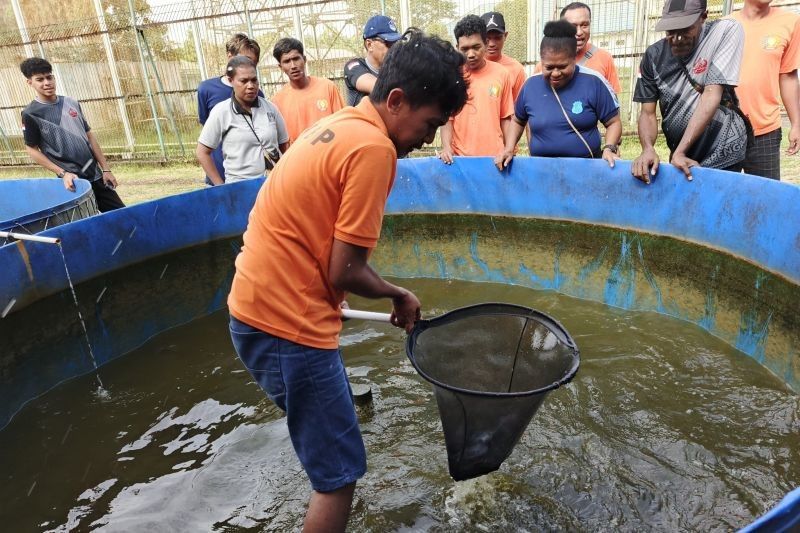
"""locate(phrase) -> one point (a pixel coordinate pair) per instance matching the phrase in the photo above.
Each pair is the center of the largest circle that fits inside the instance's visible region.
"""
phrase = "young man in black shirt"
(58, 138)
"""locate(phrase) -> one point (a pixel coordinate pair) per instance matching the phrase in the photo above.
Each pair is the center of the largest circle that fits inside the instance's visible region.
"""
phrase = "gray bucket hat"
(680, 14)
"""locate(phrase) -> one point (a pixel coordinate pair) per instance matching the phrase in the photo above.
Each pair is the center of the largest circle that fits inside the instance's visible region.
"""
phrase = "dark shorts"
(107, 198)
(764, 155)
(311, 386)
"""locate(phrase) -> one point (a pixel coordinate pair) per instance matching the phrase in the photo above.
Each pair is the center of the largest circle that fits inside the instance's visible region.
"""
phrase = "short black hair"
(35, 65)
(428, 70)
(559, 35)
(575, 5)
(236, 62)
(470, 25)
(286, 45)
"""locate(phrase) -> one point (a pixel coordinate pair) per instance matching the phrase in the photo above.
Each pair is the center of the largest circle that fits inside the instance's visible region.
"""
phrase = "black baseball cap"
(680, 14)
(494, 21)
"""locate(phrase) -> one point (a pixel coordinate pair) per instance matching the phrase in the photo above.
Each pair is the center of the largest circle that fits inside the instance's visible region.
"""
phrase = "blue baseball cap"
(382, 27)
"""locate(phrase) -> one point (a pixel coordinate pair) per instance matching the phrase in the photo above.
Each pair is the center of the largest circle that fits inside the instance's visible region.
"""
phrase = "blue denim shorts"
(311, 386)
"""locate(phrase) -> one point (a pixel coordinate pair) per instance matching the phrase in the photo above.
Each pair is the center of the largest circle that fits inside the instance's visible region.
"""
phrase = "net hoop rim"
(554, 325)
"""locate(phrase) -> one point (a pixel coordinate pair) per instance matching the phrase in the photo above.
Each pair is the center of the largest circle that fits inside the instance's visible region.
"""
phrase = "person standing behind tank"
(496, 36)
(249, 129)
(304, 99)
(563, 105)
(360, 74)
(214, 90)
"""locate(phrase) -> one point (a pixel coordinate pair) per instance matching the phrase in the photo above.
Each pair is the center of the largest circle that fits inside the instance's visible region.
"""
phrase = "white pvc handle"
(366, 315)
(25, 237)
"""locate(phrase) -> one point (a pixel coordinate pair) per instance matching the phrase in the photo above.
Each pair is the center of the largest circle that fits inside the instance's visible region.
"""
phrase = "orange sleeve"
(367, 179)
(791, 57)
(537, 68)
(507, 98)
(335, 98)
(519, 81)
(612, 77)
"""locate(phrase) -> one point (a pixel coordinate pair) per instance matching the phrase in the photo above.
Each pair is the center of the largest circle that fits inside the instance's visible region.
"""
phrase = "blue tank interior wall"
(26, 201)
(749, 218)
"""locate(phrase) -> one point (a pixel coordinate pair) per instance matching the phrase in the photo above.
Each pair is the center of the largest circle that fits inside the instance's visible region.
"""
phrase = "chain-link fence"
(135, 65)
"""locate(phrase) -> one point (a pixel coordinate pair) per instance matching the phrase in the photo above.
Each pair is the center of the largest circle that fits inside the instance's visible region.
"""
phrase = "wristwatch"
(61, 174)
(612, 147)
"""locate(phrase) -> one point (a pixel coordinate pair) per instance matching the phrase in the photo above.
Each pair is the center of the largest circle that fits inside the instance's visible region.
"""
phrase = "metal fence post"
(23, 28)
(7, 142)
(164, 97)
(198, 47)
(727, 6)
(112, 66)
(146, 81)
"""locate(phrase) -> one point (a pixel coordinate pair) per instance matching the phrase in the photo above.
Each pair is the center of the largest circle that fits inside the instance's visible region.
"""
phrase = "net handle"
(366, 315)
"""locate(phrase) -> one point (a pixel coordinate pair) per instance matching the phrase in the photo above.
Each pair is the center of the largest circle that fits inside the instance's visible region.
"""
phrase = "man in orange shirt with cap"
(769, 76)
(480, 128)
(496, 36)
(305, 99)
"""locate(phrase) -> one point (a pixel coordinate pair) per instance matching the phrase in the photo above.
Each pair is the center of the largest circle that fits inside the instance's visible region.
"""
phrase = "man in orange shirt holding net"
(482, 125)
(311, 230)
(769, 76)
(305, 99)
(496, 36)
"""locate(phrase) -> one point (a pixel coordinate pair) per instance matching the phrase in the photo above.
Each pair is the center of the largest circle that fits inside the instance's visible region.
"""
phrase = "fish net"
(491, 366)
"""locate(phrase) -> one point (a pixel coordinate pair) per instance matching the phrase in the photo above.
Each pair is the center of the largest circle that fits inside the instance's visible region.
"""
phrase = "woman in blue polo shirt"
(563, 105)
(249, 128)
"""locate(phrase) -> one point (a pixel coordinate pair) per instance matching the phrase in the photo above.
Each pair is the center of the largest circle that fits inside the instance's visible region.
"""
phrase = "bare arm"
(790, 95)
(366, 82)
(447, 142)
(646, 165)
(203, 154)
(708, 105)
(108, 177)
(613, 135)
(511, 134)
(350, 272)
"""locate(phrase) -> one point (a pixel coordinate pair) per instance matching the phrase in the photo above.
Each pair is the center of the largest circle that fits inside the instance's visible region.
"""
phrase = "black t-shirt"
(59, 130)
(353, 70)
(665, 79)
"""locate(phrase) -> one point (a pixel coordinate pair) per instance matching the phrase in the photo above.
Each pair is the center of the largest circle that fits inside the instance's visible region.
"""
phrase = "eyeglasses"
(387, 44)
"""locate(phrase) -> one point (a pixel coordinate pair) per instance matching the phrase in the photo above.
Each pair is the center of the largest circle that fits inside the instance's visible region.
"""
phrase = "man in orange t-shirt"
(311, 230)
(769, 76)
(496, 36)
(480, 128)
(580, 15)
(305, 99)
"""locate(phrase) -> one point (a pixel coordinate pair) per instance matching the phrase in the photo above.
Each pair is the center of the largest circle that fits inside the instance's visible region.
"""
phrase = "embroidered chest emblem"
(700, 66)
(322, 105)
(577, 107)
(494, 90)
(771, 42)
(72, 112)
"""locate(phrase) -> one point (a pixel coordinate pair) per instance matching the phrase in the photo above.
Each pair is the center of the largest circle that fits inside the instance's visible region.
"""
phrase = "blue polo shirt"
(586, 99)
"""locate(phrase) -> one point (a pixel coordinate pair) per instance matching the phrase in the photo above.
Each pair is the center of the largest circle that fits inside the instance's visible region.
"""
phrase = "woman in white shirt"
(250, 128)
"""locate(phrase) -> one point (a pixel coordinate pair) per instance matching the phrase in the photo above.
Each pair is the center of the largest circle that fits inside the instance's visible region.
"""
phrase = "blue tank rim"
(71, 199)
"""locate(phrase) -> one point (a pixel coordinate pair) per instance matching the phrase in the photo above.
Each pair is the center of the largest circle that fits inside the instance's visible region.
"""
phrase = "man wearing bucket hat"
(692, 74)
(360, 74)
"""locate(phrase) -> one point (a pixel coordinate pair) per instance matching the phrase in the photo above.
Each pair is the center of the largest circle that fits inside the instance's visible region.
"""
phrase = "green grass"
(138, 182)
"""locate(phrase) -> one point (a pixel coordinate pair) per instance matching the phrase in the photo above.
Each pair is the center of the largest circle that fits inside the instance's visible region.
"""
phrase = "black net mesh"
(491, 366)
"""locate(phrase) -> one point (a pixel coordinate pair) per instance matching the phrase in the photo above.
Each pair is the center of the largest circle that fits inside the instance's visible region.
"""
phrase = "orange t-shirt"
(600, 61)
(476, 129)
(333, 183)
(517, 72)
(771, 48)
(301, 108)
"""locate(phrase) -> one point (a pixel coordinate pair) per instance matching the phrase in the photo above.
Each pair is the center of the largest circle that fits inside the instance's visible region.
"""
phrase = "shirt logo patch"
(577, 107)
(771, 42)
(351, 65)
(700, 66)
(72, 112)
(322, 105)
(494, 90)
